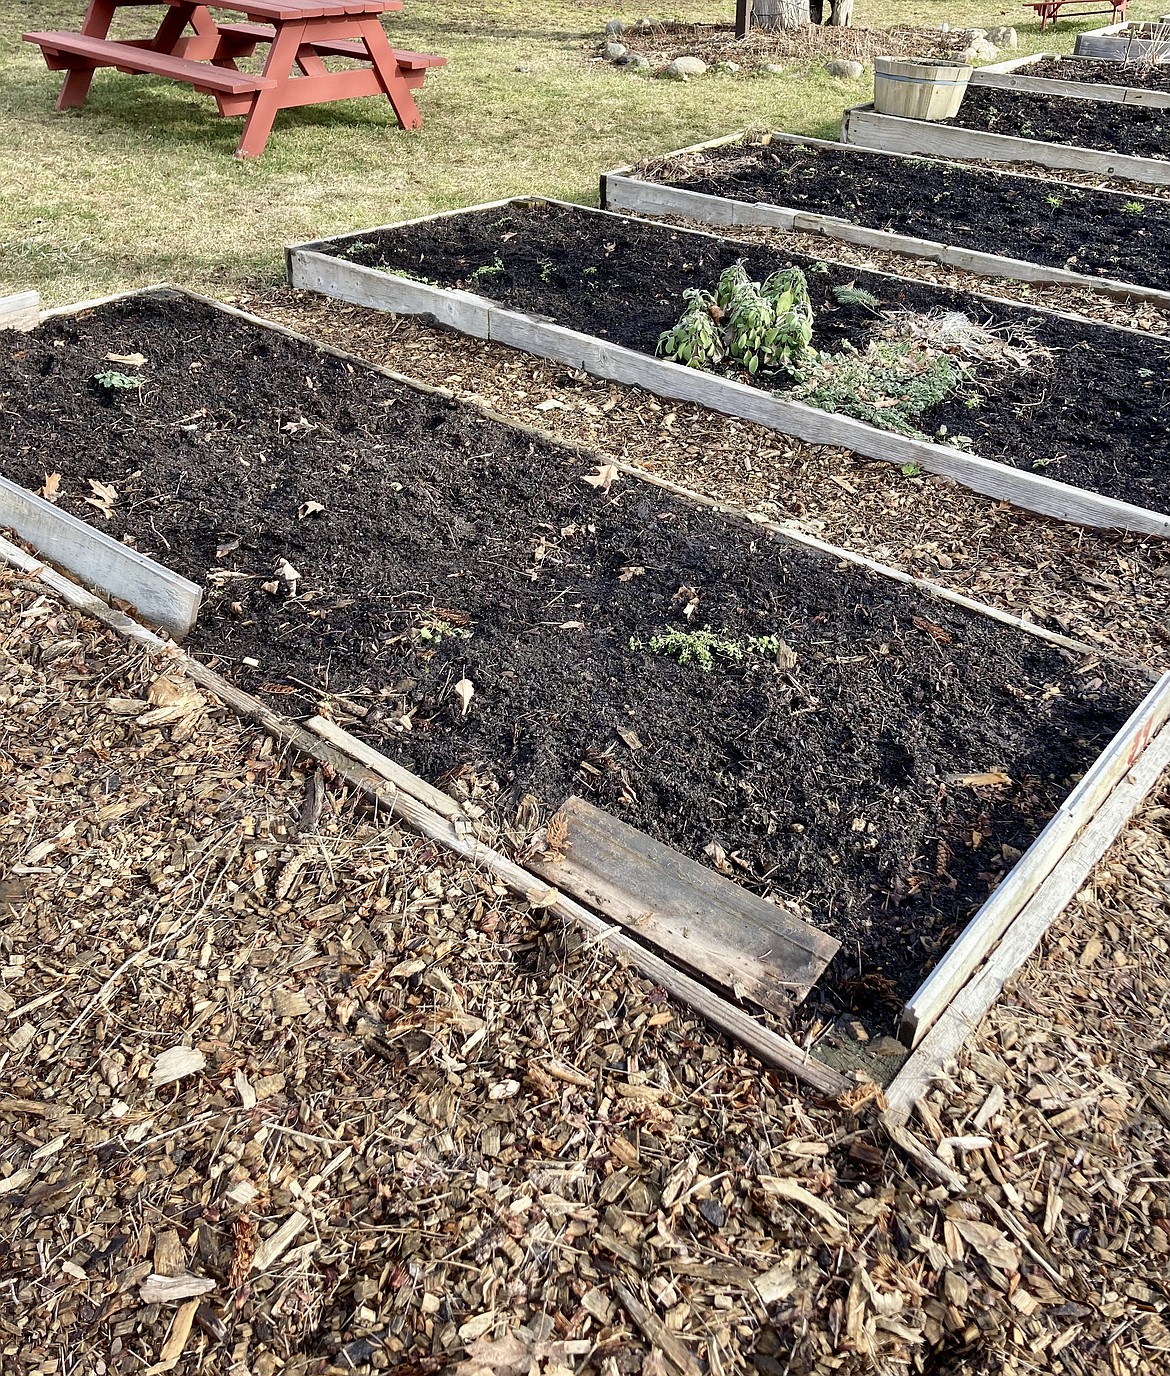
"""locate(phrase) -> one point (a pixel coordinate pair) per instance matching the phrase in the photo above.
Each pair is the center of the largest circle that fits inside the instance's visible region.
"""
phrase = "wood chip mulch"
(285, 1090)
(1109, 590)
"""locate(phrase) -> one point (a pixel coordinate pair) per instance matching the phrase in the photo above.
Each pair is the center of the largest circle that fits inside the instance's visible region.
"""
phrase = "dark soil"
(1148, 76)
(449, 546)
(1091, 414)
(1139, 131)
(991, 212)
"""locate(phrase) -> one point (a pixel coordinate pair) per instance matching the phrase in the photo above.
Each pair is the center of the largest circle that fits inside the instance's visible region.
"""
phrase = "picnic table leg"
(386, 65)
(282, 56)
(98, 18)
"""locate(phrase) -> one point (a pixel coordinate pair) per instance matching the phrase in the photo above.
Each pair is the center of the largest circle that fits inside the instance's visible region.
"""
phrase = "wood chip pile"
(283, 1090)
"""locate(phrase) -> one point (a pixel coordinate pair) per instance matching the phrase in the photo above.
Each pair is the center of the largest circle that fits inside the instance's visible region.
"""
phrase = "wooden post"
(743, 17)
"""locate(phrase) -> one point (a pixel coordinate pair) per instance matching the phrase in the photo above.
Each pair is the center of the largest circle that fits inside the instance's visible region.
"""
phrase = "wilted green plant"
(704, 647)
(856, 296)
(696, 341)
(891, 385)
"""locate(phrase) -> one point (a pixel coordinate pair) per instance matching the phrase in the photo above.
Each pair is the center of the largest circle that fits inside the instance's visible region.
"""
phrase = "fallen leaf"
(991, 1243)
(308, 509)
(175, 1063)
(552, 404)
(127, 360)
(104, 497)
(631, 571)
(290, 575)
(604, 478)
(991, 778)
(464, 691)
(50, 487)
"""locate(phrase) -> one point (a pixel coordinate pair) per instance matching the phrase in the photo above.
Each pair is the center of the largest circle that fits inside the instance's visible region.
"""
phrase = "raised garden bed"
(861, 124)
(1001, 224)
(1126, 42)
(881, 764)
(1140, 131)
(1079, 78)
(596, 290)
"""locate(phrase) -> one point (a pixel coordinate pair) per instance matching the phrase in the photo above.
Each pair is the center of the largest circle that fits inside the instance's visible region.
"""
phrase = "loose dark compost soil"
(433, 544)
(1140, 131)
(1147, 76)
(1017, 217)
(1091, 414)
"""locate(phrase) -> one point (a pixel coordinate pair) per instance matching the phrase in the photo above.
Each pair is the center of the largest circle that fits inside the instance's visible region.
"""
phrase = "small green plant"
(547, 269)
(973, 402)
(357, 248)
(856, 296)
(1134, 208)
(696, 341)
(111, 381)
(487, 271)
(703, 648)
(434, 630)
(1054, 201)
(911, 470)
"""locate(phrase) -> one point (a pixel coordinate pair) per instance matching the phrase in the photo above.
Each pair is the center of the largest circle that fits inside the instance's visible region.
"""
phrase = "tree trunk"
(780, 14)
(842, 13)
(816, 11)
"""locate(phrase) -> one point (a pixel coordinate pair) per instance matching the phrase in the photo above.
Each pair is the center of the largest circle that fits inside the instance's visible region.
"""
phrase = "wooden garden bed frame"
(862, 125)
(1125, 42)
(1001, 936)
(311, 269)
(623, 189)
(1013, 75)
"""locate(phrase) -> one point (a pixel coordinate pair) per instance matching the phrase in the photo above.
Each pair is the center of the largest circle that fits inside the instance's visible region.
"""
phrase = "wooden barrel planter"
(918, 90)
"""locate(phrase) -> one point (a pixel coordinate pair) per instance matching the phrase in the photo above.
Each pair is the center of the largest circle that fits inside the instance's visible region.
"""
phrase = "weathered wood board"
(1015, 76)
(309, 269)
(20, 312)
(1039, 861)
(160, 596)
(623, 190)
(863, 126)
(751, 948)
(1130, 42)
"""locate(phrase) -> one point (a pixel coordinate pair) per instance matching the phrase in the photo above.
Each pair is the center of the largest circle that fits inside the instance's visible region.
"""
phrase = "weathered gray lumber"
(751, 948)
(767, 1045)
(20, 312)
(434, 798)
(1129, 42)
(863, 126)
(484, 319)
(651, 198)
(1044, 855)
(957, 1024)
(161, 596)
(1014, 76)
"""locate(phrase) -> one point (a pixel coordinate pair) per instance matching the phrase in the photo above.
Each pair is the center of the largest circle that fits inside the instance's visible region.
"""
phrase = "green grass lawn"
(141, 186)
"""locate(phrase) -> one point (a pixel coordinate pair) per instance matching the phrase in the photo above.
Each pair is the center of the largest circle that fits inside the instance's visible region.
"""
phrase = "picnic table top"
(284, 10)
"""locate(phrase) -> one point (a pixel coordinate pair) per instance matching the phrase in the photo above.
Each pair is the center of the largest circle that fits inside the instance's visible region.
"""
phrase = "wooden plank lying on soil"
(1042, 857)
(20, 312)
(623, 190)
(751, 948)
(1014, 76)
(484, 319)
(433, 797)
(161, 597)
(862, 125)
(957, 1024)
(771, 1048)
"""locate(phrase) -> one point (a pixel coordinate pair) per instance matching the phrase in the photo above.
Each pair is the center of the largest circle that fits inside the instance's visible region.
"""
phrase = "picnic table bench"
(192, 46)
(1049, 10)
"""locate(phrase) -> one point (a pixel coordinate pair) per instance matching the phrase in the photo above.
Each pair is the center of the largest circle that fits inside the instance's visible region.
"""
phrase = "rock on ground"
(616, 52)
(683, 67)
(845, 68)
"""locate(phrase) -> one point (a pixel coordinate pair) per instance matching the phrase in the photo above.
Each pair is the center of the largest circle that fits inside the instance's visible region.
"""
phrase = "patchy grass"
(140, 185)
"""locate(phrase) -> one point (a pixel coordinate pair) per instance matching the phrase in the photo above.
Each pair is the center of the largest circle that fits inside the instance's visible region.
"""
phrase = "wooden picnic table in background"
(192, 46)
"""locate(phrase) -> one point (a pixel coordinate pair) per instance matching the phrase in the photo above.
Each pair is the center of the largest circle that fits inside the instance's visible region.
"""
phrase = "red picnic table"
(191, 45)
(1049, 10)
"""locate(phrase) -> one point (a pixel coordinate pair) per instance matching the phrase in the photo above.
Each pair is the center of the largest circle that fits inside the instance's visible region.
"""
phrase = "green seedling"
(1134, 208)
(487, 271)
(111, 381)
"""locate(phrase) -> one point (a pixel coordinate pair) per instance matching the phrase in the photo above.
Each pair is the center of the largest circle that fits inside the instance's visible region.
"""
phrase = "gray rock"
(1004, 38)
(683, 67)
(644, 25)
(972, 34)
(616, 52)
(981, 51)
(614, 29)
(729, 67)
(638, 62)
(773, 69)
(844, 68)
